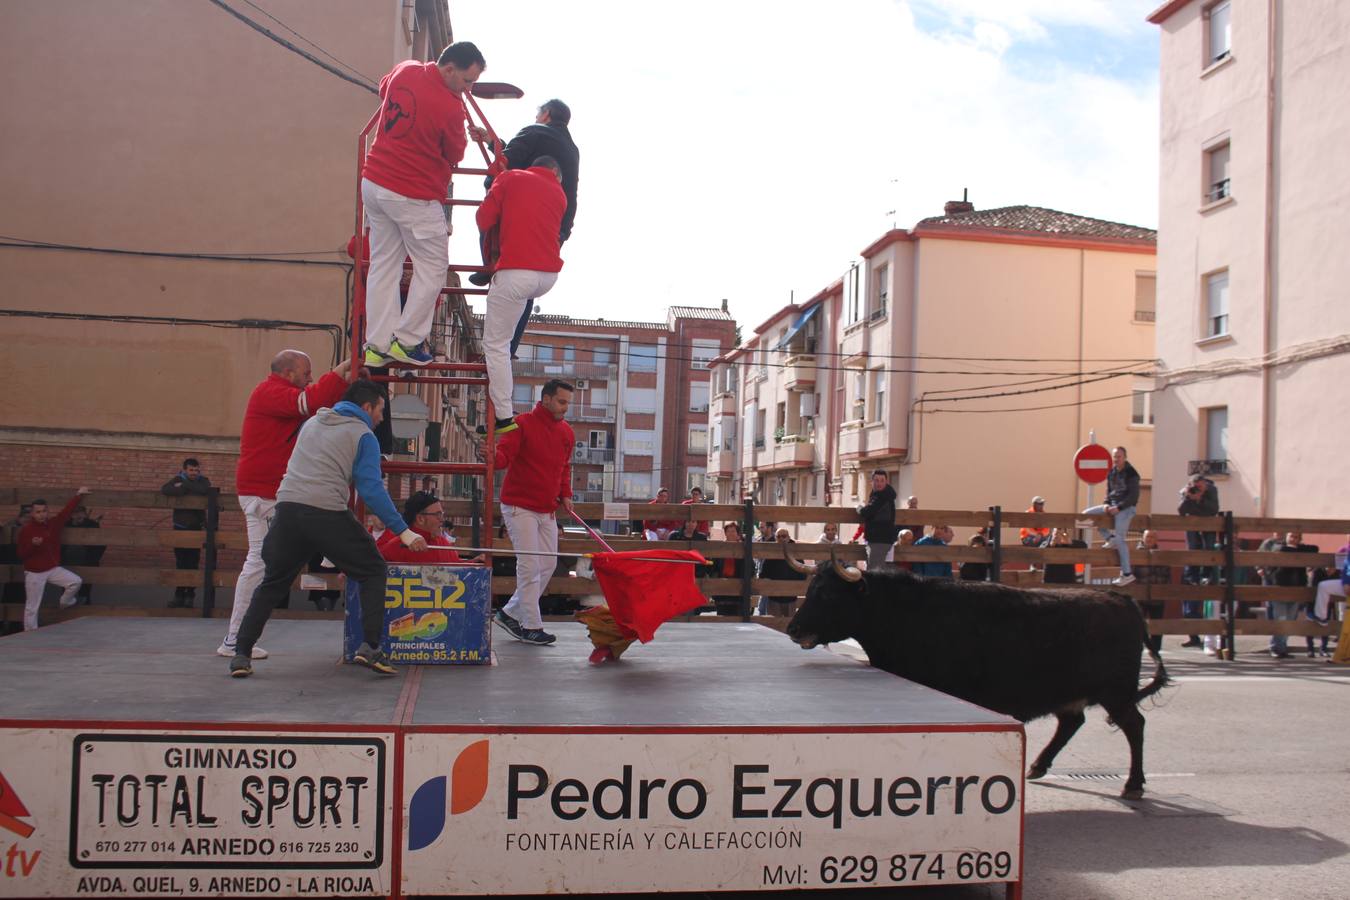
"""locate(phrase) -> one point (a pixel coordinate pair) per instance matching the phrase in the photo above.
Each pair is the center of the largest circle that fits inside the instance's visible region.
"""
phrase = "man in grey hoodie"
(334, 449)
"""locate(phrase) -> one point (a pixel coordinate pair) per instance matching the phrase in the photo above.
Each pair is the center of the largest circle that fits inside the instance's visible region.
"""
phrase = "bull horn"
(797, 565)
(848, 573)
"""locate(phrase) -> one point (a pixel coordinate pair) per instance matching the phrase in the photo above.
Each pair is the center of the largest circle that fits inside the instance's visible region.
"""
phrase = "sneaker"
(241, 667)
(601, 655)
(376, 359)
(1210, 651)
(1279, 654)
(1123, 580)
(508, 624)
(1312, 617)
(227, 651)
(374, 659)
(414, 357)
(480, 279)
(67, 604)
(536, 636)
(502, 426)
(1191, 642)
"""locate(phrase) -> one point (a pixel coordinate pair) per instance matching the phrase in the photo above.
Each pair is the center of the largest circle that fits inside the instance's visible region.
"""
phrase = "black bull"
(1022, 652)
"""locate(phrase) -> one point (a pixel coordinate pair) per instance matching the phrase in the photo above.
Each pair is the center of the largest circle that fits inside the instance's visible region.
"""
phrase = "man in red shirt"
(276, 409)
(420, 137)
(426, 516)
(696, 497)
(537, 458)
(660, 529)
(39, 548)
(527, 205)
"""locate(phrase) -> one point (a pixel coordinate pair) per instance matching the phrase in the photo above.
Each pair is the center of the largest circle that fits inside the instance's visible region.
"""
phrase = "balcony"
(1207, 467)
(579, 413)
(588, 497)
(1144, 315)
(592, 456)
(721, 462)
(799, 373)
(724, 404)
(793, 451)
(557, 368)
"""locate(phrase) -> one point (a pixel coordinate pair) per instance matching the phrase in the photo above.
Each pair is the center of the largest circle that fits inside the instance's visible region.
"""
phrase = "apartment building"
(640, 410)
(968, 357)
(1253, 326)
(185, 203)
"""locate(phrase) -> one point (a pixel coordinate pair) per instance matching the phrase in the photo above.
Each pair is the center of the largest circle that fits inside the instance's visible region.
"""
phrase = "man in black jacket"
(1200, 497)
(1122, 496)
(548, 136)
(189, 482)
(878, 520)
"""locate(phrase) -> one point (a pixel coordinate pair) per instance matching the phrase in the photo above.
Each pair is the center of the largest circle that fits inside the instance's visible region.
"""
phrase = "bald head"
(294, 366)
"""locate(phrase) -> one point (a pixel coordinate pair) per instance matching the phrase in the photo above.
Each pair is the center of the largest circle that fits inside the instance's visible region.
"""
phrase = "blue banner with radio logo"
(433, 615)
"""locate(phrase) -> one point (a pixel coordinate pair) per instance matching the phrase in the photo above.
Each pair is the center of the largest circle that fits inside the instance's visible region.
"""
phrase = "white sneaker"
(1123, 580)
(227, 651)
(67, 604)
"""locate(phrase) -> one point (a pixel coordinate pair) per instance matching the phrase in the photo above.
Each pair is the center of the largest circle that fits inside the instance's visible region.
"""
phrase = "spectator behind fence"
(1060, 572)
(659, 529)
(1152, 574)
(904, 539)
(39, 546)
(941, 537)
(695, 497)
(731, 567)
(975, 571)
(189, 482)
(1287, 577)
(1122, 496)
(1200, 497)
(878, 519)
(90, 555)
(1333, 586)
(776, 568)
(830, 534)
(1031, 536)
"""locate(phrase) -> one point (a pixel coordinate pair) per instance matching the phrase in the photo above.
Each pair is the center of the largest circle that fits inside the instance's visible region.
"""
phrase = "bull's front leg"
(1070, 720)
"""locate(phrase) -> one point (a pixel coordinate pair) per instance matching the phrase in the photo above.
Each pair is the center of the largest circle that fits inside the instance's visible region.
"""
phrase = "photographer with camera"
(1200, 497)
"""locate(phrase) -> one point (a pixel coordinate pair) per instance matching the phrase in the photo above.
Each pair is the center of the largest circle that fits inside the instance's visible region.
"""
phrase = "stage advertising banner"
(580, 813)
(194, 814)
(434, 615)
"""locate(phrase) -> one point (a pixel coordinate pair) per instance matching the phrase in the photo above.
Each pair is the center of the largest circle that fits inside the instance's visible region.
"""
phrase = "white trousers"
(530, 531)
(35, 582)
(511, 289)
(401, 226)
(1332, 587)
(258, 519)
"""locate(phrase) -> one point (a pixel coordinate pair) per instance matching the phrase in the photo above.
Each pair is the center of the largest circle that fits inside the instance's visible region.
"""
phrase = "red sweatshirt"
(47, 555)
(276, 410)
(420, 135)
(537, 458)
(528, 205)
(391, 547)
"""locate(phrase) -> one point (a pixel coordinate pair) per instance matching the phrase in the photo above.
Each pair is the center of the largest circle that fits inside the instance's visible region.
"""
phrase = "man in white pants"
(276, 409)
(39, 547)
(527, 207)
(537, 457)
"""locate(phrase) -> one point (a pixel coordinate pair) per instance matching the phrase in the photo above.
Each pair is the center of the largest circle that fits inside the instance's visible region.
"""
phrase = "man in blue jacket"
(335, 449)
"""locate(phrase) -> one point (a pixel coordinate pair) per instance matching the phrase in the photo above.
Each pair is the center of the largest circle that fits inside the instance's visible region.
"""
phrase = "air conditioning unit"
(579, 455)
(581, 384)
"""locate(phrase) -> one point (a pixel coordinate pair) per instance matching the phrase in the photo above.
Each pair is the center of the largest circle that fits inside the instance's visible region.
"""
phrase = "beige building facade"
(1253, 324)
(968, 357)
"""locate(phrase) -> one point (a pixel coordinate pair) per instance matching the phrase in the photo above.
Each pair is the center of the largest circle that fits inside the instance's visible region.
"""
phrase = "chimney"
(956, 207)
(724, 304)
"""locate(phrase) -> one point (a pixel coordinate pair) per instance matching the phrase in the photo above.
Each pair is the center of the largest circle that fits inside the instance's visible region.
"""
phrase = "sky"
(749, 150)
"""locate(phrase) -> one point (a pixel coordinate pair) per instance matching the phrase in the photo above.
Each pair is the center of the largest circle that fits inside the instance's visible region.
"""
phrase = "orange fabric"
(604, 631)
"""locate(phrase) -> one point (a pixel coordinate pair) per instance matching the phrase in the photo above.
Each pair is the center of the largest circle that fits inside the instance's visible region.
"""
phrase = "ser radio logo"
(460, 792)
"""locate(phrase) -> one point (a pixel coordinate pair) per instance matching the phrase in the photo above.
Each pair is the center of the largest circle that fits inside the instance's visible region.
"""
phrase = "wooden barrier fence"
(1000, 556)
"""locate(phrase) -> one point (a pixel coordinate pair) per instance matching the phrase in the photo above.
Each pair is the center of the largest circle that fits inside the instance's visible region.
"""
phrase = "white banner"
(156, 813)
(579, 813)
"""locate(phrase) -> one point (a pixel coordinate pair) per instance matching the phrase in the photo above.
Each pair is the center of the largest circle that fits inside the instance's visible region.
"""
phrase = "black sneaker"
(241, 667)
(480, 279)
(535, 636)
(374, 659)
(508, 624)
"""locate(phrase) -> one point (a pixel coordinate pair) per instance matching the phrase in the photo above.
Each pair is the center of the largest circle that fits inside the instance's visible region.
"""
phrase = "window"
(879, 395)
(1219, 33)
(852, 295)
(1216, 432)
(642, 357)
(599, 397)
(702, 353)
(698, 396)
(792, 491)
(780, 421)
(1216, 301)
(881, 290)
(635, 485)
(698, 478)
(543, 353)
(1145, 296)
(1216, 172)
(602, 355)
(640, 400)
(522, 395)
(763, 356)
(525, 351)
(595, 481)
(640, 441)
(569, 354)
(698, 439)
(726, 380)
(599, 440)
(761, 417)
(728, 434)
(1141, 412)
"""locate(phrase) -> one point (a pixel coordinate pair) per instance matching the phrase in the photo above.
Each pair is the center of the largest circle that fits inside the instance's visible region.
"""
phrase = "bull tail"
(1160, 677)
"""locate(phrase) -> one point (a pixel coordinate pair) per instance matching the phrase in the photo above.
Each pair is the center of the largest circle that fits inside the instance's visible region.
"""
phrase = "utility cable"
(262, 29)
(313, 44)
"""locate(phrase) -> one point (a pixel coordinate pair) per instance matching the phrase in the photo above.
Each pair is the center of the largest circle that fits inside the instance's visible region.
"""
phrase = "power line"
(262, 29)
(276, 257)
(313, 44)
(1038, 408)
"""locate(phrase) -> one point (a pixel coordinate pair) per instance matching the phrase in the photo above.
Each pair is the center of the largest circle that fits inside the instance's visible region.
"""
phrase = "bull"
(1026, 653)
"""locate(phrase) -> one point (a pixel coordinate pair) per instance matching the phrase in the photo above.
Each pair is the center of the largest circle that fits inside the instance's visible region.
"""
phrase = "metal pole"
(996, 545)
(747, 557)
(209, 564)
(475, 521)
(1230, 586)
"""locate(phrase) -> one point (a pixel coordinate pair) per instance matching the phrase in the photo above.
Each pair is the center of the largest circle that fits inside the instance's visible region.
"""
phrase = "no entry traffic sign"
(1092, 463)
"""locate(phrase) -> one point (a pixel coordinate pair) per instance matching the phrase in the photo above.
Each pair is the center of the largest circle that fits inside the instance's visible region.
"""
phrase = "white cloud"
(749, 150)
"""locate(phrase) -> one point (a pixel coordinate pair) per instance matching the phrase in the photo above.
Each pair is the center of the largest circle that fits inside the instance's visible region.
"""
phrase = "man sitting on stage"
(334, 449)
